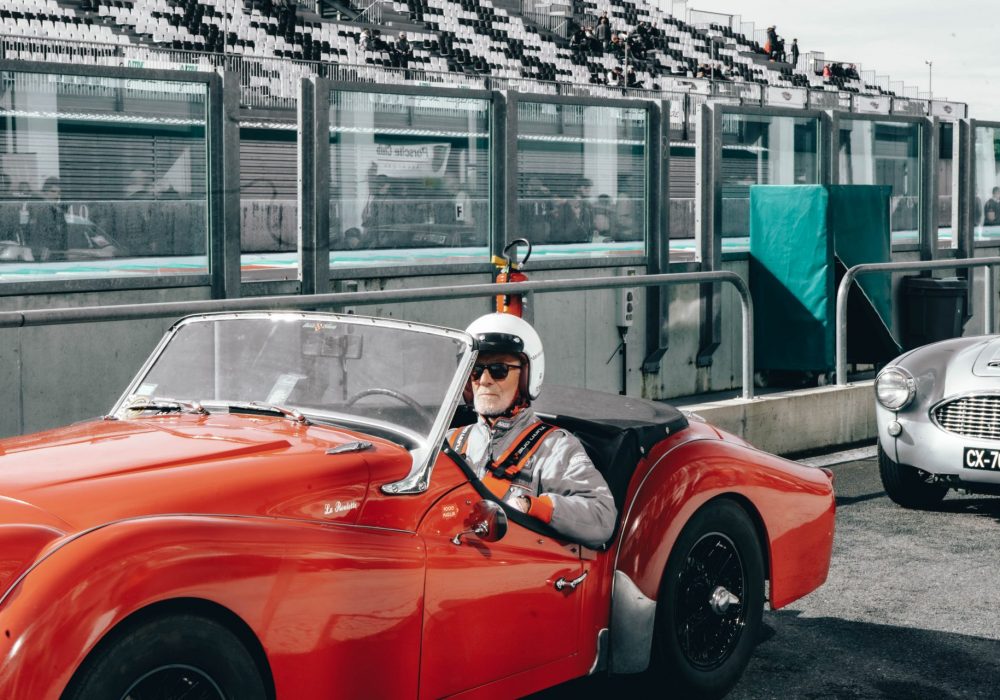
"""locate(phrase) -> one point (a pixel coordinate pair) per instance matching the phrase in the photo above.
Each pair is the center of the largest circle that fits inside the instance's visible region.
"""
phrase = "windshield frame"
(427, 447)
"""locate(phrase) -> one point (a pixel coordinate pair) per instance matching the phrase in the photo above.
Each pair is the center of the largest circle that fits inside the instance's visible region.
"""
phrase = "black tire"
(701, 649)
(180, 656)
(908, 486)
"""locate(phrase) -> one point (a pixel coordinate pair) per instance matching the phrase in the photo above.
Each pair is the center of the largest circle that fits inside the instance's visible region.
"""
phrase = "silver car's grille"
(971, 416)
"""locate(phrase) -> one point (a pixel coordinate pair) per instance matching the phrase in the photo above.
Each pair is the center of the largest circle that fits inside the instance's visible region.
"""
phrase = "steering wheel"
(392, 393)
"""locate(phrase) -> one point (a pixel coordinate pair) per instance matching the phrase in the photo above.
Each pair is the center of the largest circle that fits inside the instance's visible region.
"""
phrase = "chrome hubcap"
(721, 599)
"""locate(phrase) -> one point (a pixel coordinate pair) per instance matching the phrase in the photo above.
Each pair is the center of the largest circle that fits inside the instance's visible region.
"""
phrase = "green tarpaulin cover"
(802, 240)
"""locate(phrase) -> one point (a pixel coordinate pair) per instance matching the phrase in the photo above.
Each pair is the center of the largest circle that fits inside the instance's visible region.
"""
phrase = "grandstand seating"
(468, 40)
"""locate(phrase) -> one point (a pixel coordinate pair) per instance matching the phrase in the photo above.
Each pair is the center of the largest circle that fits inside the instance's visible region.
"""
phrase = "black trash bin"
(934, 308)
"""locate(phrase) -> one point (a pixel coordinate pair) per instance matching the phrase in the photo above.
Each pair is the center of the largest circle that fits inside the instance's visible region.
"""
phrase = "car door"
(492, 609)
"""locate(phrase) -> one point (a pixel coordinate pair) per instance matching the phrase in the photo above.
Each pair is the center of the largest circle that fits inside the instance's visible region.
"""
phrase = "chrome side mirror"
(490, 523)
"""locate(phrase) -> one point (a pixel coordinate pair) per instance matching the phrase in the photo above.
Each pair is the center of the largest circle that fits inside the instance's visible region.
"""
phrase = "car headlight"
(894, 388)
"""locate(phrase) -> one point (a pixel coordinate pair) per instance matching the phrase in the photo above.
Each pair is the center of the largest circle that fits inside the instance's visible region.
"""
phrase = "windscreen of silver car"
(894, 388)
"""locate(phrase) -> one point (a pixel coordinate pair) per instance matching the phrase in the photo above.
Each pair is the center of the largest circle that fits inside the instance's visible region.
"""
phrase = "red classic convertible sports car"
(271, 510)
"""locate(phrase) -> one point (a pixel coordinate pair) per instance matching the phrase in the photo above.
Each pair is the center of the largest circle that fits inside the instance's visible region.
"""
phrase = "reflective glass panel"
(101, 177)
(945, 165)
(409, 179)
(269, 205)
(581, 178)
(763, 150)
(885, 153)
(987, 179)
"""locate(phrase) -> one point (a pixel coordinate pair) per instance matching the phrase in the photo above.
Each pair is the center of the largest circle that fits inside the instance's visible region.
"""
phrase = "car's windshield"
(349, 369)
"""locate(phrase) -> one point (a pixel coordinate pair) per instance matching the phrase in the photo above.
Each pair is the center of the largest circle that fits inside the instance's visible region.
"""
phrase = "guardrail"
(865, 268)
(126, 312)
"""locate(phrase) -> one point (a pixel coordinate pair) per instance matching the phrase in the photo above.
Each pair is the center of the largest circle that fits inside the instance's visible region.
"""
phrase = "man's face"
(491, 396)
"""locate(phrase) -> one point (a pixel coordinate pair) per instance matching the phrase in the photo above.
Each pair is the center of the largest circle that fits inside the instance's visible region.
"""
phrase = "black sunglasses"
(498, 370)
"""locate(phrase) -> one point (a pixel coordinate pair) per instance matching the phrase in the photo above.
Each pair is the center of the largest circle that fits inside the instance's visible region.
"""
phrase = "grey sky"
(894, 38)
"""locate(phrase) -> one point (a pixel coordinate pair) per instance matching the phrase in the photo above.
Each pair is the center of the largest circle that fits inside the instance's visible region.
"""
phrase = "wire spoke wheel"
(710, 604)
(710, 597)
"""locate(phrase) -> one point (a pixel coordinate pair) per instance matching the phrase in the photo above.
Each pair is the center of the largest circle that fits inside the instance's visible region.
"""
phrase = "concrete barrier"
(800, 421)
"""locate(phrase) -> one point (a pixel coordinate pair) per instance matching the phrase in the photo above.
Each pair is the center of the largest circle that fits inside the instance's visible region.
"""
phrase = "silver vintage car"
(938, 414)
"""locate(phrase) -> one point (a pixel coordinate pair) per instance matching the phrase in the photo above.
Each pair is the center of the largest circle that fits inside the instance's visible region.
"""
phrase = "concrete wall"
(799, 421)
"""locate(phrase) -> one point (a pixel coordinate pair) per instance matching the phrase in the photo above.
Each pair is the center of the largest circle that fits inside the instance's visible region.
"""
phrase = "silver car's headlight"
(894, 388)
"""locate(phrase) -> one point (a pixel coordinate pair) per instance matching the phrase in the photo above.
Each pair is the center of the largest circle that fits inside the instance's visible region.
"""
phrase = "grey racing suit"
(559, 472)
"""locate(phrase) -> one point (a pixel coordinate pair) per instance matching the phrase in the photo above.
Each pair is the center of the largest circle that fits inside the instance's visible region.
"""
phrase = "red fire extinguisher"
(509, 269)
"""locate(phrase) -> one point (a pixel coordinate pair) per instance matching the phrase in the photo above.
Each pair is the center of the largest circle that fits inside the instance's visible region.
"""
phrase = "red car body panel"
(328, 611)
(348, 590)
(794, 504)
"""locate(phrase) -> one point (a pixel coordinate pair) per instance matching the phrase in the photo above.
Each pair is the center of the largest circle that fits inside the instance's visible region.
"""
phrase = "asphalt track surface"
(911, 609)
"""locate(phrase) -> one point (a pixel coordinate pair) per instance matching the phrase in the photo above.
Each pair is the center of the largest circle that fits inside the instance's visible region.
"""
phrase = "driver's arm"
(573, 496)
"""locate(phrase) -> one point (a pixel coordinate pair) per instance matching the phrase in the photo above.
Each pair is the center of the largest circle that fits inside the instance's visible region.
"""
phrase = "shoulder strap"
(513, 460)
(459, 439)
(503, 470)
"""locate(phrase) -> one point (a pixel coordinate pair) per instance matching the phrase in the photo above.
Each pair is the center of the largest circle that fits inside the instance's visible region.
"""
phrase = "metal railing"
(372, 14)
(126, 312)
(865, 268)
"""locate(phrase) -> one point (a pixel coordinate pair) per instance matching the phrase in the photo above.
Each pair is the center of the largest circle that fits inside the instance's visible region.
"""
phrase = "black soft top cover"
(617, 431)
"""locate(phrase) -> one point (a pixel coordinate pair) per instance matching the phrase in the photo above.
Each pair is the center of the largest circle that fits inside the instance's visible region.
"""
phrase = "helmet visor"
(500, 343)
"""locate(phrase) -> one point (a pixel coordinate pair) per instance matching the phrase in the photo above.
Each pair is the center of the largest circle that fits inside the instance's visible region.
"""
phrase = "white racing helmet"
(512, 334)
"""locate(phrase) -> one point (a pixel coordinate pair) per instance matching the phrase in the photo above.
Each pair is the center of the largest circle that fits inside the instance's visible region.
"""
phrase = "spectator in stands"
(401, 52)
(827, 72)
(991, 210)
(795, 52)
(579, 42)
(851, 72)
(632, 80)
(772, 41)
(616, 47)
(635, 46)
(603, 32)
(594, 44)
(286, 17)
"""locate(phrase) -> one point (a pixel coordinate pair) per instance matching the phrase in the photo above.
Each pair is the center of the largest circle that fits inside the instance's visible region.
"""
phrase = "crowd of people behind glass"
(40, 224)
(401, 213)
(576, 216)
